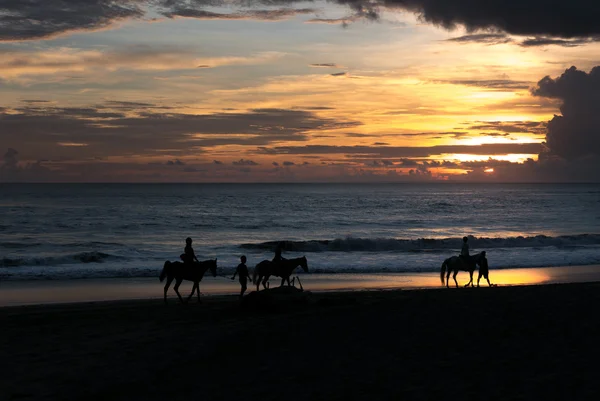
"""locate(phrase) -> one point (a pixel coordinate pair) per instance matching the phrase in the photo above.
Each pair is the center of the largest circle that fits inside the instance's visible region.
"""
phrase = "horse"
(457, 263)
(282, 269)
(182, 271)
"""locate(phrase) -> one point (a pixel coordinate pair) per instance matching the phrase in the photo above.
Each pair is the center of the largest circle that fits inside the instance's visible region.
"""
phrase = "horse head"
(213, 267)
(304, 264)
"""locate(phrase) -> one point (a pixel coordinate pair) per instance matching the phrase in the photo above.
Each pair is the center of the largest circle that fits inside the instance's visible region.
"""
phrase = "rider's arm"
(234, 273)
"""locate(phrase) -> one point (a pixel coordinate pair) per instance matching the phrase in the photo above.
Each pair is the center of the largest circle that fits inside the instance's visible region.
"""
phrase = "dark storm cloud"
(39, 130)
(40, 19)
(406, 151)
(575, 133)
(576, 18)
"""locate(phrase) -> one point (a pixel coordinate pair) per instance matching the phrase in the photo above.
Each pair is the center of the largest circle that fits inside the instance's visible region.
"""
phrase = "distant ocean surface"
(72, 231)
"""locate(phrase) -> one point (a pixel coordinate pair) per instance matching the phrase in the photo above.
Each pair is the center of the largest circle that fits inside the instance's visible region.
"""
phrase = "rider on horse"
(188, 256)
(464, 252)
(278, 258)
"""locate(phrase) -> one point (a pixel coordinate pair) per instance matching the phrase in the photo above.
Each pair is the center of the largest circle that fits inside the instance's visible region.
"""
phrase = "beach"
(500, 343)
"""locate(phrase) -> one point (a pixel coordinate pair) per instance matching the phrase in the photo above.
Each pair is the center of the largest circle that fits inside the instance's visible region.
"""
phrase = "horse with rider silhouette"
(191, 271)
(282, 268)
(455, 264)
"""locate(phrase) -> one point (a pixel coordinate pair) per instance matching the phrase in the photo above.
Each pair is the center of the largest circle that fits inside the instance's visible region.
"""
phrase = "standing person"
(244, 275)
(188, 256)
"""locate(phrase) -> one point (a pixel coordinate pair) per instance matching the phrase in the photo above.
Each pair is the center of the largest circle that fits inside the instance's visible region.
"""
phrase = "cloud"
(12, 170)
(10, 159)
(259, 15)
(533, 127)
(496, 84)
(43, 19)
(546, 41)
(147, 131)
(15, 63)
(575, 133)
(217, 162)
(325, 65)
(243, 162)
(339, 74)
(483, 38)
(286, 163)
(175, 162)
(576, 18)
(407, 151)
(344, 22)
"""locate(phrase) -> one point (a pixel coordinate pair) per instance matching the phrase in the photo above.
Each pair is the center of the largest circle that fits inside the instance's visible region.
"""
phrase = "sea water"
(72, 231)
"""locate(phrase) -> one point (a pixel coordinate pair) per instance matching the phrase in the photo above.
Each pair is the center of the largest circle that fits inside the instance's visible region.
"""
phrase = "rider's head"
(243, 259)
(188, 240)
(465, 239)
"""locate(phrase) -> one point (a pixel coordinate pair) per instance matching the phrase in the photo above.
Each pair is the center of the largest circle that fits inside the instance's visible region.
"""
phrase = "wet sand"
(501, 343)
(14, 293)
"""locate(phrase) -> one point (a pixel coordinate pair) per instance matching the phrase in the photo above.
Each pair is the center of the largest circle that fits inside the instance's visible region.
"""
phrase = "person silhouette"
(278, 258)
(464, 252)
(188, 256)
(244, 275)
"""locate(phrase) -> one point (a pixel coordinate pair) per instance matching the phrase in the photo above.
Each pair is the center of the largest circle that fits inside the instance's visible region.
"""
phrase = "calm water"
(114, 230)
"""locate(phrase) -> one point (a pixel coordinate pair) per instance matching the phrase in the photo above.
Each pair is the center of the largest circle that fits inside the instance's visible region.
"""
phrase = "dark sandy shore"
(503, 343)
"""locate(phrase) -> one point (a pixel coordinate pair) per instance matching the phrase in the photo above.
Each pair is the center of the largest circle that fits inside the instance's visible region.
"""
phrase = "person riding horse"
(278, 258)
(464, 252)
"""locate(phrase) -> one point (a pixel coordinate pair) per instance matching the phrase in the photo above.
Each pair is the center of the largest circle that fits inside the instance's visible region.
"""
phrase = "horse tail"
(163, 273)
(443, 272)
(255, 274)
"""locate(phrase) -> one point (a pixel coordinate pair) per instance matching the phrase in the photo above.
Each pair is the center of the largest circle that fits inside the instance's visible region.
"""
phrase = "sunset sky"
(296, 91)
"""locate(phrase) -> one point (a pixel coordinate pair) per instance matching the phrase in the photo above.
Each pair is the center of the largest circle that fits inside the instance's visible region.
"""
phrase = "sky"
(299, 91)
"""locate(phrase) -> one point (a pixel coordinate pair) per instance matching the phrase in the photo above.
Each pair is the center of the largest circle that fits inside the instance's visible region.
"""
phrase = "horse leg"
(470, 279)
(198, 288)
(454, 277)
(258, 283)
(192, 293)
(264, 282)
(448, 278)
(282, 281)
(288, 280)
(167, 285)
(176, 288)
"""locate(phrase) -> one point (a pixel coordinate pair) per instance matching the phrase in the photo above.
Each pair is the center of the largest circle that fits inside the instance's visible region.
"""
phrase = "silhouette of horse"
(282, 269)
(182, 271)
(456, 263)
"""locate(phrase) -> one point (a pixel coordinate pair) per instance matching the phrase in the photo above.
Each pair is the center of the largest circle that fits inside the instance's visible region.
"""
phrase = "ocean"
(77, 231)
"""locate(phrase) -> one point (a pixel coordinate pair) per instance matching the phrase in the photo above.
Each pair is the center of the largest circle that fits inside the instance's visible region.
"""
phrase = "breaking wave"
(82, 257)
(425, 244)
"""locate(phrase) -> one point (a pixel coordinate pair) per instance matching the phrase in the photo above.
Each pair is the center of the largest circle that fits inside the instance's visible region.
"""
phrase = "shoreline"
(19, 293)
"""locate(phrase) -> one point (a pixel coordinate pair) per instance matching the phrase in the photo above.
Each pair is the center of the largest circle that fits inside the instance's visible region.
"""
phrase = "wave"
(350, 244)
(81, 257)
